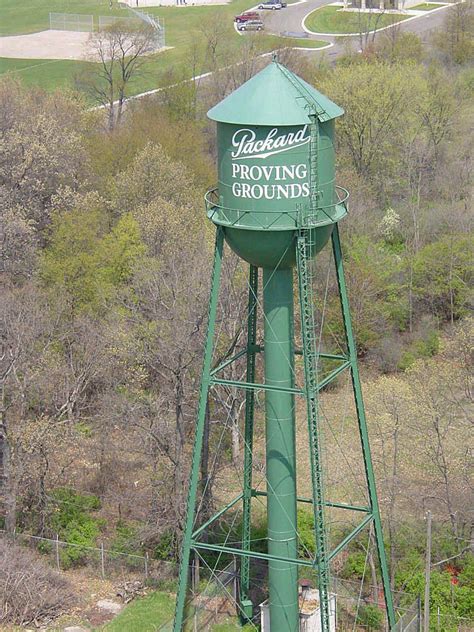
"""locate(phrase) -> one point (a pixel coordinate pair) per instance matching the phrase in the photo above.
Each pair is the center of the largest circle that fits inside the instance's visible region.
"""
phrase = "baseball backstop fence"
(71, 22)
(89, 23)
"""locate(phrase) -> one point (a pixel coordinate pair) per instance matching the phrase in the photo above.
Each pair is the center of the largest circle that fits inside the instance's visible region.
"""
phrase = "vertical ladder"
(306, 270)
(305, 280)
(248, 437)
(313, 172)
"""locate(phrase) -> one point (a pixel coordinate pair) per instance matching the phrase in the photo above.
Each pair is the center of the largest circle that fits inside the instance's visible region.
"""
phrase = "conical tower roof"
(274, 96)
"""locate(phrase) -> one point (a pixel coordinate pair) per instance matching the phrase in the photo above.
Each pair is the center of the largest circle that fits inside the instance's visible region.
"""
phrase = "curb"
(417, 14)
(313, 48)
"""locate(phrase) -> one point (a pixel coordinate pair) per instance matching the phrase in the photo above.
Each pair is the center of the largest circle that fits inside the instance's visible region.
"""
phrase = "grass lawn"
(331, 19)
(47, 73)
(143, 615)
(148, 613)
(426, 6)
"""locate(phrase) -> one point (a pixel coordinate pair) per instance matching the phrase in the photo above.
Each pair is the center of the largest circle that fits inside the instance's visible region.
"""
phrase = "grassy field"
(332, 19)
(30, 16)
(185, 27)
(47, 73)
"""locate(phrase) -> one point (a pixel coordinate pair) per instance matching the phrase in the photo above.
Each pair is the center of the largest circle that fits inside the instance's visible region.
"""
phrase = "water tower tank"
(265, 146)
(276, 202)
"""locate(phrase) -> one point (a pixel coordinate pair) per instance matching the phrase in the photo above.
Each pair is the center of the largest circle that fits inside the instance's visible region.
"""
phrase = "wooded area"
(105, 259)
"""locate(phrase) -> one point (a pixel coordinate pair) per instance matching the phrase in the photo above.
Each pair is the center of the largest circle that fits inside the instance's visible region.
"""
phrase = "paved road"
(291, 18)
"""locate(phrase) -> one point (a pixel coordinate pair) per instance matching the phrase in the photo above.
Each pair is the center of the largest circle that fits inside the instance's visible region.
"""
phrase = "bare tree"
(230, 400)
(121, 50)
(368, 24)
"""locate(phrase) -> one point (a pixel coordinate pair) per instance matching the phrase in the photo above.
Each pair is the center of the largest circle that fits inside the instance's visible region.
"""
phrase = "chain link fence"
(213, 596)
(71, 22)
(88, 24)
(212, 602)
(155, 23)
(410, 621)
(106, 21)
(104, 562)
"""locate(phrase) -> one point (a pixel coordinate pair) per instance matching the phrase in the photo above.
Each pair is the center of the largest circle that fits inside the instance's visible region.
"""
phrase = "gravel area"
(46, 45)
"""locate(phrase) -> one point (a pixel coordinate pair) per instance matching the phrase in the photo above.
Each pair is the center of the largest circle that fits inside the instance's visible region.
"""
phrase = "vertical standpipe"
(280, 449)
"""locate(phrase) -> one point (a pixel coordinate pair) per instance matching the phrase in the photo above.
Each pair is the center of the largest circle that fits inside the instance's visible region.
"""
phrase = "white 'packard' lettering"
(246, 146)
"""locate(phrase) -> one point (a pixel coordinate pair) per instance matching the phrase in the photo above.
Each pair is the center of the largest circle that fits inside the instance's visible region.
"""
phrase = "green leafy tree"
(396, 46)
(455, 39)
(465, 589)
(87, 262)
(442, 276)
(375, 290)
(371, 617)
(150, 176)
(379, 100)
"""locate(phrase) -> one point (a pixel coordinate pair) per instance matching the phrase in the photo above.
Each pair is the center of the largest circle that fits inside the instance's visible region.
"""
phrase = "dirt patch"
(46, 45)
(94, 593)
(90, 590)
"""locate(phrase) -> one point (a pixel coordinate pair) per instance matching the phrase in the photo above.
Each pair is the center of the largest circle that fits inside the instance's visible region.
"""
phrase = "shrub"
(370, 616)
(71, 507)
(166, 547)
(30, 591)
(73, 523)
(126, 539)
(354, 565)
(306, 533)
(82, 536)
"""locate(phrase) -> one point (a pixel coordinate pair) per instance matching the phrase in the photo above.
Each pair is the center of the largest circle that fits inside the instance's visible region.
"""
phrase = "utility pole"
(426, 623)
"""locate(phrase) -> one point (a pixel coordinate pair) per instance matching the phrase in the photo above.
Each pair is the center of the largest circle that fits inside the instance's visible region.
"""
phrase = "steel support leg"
(280, 448)
(362, 422)
(248, 437)
(198, 438)
(305, 278)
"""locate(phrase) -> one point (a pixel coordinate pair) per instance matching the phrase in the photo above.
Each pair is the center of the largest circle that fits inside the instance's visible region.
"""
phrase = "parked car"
(245, 17)
(272, 4)
(251, 25)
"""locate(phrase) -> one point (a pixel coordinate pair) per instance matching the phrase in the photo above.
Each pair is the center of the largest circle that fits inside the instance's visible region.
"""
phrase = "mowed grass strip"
(332, 19)
(183, 26)
(155, 72)
(427, 6)
(301, 42)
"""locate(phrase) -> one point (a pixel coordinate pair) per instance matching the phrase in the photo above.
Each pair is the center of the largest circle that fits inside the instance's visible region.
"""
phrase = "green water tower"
(265, 170)
(277, 205)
